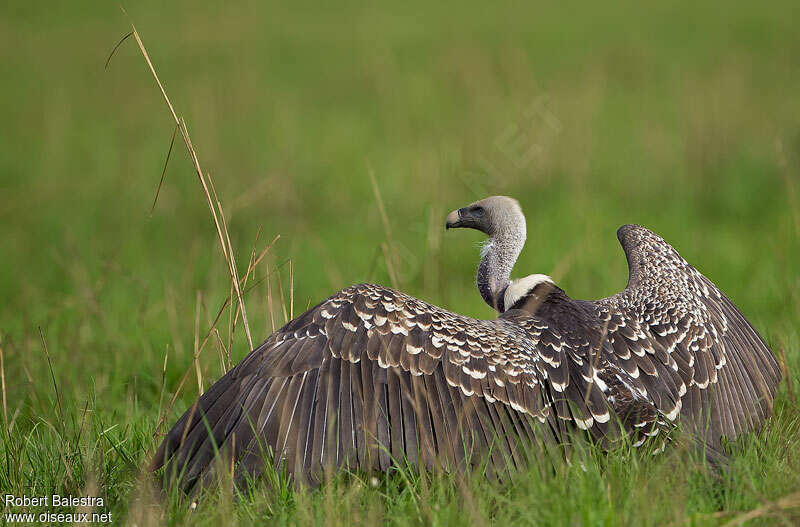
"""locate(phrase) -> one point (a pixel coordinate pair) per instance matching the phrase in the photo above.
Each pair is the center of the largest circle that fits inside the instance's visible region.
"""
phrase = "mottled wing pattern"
(685, 344)
(371, 375)
(586, 371)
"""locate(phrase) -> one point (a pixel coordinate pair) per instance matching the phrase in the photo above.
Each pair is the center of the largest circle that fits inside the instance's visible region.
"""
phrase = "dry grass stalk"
(164, 170)
(221, 346)
(181, 125)
(231, 259)
(280, 292)
(162, 418)
(215, 206)
(254, 261)
(786, 374)
(252, 256)
(792, 501)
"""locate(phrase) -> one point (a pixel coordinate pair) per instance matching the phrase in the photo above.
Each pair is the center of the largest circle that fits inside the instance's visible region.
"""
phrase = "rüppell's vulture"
(372, 376)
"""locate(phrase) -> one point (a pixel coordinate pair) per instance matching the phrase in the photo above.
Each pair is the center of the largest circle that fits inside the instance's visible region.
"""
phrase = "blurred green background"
(684, 118)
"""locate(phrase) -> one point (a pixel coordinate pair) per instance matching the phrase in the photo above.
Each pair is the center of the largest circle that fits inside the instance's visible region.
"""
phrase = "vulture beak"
(453, 219)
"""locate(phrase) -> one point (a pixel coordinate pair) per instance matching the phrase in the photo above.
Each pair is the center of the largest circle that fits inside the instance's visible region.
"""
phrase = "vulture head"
(501, 218)
(490, 215)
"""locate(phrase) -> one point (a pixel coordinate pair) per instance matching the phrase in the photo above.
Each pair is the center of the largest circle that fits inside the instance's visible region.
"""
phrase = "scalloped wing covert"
(372, 375)
(686, 344)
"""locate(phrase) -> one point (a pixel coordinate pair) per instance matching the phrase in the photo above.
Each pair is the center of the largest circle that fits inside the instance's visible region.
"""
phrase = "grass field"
(684, 118)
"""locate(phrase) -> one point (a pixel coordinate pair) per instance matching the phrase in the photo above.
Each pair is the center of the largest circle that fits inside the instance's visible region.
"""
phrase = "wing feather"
(372, 376)
(725, 374)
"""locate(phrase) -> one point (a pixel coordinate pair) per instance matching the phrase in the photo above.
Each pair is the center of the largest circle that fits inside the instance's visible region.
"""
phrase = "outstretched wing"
(372, 375)
(685, 342)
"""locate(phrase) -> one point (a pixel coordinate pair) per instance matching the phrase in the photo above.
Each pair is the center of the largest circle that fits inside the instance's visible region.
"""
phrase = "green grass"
(683, 118)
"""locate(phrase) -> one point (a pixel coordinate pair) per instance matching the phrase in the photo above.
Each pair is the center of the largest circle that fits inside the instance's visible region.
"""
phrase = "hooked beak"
(454, 219)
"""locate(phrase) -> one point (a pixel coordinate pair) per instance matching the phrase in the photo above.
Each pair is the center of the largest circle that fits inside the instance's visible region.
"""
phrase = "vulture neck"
(499, 255)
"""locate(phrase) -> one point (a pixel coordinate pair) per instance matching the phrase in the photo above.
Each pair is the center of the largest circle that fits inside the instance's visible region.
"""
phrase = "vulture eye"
(478, 211)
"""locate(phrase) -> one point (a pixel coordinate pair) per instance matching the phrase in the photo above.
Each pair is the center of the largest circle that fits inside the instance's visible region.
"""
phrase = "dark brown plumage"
(372, 375)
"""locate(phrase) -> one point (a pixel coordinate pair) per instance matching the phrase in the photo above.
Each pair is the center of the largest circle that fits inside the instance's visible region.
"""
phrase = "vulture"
(372, 377)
